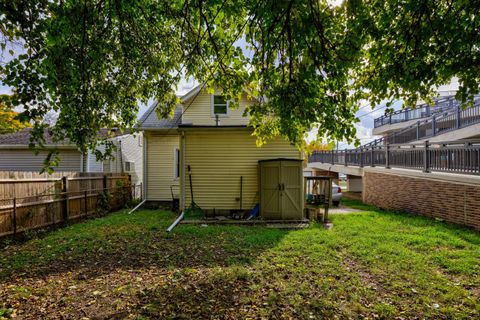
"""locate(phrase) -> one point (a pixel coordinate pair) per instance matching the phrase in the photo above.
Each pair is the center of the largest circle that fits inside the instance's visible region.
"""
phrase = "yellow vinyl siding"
(160, 166)
(218, 158)
(200, 112)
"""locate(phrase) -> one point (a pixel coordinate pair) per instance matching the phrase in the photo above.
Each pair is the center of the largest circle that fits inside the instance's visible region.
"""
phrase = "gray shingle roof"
(22, 137)
(150, 120)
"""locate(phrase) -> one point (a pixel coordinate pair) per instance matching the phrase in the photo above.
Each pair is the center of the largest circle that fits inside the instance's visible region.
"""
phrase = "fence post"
(86, 203)
(434, 125)
(104, 182)
(14, 219)
(65, 197)
(387, 156)
(426, 158)
(372, 154)
(333, 157)
(124, 194)
(458, 116)
(361, 157)
(130, 188)
(418, 130)
(346, 162)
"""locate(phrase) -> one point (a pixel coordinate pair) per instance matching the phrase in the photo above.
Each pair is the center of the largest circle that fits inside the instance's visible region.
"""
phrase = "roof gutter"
(158, 129)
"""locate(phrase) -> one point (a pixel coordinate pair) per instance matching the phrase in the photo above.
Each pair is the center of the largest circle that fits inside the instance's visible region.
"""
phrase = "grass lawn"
(372, 264)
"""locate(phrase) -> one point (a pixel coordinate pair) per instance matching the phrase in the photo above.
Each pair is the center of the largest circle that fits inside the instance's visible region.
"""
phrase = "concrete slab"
(342, 210)
(288, 226)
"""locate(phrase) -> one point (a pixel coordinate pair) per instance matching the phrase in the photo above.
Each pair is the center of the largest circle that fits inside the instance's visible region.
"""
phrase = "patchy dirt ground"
(370, 265)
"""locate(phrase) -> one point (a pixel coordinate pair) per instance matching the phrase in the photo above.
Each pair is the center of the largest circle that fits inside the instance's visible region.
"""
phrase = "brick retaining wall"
(454, 202)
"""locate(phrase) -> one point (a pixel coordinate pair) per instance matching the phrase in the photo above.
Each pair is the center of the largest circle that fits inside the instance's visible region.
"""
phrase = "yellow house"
(216, 144)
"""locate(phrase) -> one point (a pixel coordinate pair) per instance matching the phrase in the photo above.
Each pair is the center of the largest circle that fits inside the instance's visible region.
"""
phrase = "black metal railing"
(422, 111)
(454, 119)
(455, 157)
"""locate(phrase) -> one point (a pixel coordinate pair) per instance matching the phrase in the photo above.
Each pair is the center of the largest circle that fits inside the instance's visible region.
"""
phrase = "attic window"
(219, 106)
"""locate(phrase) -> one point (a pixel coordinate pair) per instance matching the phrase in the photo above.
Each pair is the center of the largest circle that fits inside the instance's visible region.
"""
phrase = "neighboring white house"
(128, 157)
(15, 154)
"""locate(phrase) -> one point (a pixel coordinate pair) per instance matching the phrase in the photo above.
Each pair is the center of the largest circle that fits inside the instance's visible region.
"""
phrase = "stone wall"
(451, 201)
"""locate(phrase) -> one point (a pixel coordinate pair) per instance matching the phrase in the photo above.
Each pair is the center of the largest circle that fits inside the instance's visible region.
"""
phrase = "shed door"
(271, 200)
(291, 194)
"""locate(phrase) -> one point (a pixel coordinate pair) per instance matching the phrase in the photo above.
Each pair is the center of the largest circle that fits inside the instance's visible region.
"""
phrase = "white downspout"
(182, 191)
(174, 224)
(145, 144)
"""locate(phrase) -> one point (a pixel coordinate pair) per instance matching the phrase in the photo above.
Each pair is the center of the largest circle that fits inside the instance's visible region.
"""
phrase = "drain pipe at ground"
(138, 206)
(174, 224)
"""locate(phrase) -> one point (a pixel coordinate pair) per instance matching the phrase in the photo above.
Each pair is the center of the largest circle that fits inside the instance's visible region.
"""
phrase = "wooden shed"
(281, 189)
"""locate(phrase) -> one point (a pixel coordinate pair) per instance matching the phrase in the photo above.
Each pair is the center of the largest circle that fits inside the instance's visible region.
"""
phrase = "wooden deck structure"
(318, 197)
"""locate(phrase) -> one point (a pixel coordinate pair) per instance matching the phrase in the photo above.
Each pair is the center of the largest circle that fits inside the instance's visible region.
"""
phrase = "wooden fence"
(30, 201)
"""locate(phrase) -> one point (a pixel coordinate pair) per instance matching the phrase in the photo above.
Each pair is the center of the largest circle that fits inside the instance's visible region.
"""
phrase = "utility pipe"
(138, 206)
(174, 224)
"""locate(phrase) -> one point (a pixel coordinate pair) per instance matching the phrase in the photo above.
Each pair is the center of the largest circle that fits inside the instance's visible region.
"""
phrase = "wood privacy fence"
(30, 201)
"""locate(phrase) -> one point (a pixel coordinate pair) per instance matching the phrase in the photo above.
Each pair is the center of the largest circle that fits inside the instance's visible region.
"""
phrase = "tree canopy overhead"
(310, 61)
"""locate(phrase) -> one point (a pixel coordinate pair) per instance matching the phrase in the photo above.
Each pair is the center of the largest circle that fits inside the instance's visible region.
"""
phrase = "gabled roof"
(150, 119)
(192, 93)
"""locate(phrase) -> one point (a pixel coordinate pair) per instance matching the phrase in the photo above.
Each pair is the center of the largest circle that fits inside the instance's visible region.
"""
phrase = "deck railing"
(454, 119)
(421, 111)
(455, 157)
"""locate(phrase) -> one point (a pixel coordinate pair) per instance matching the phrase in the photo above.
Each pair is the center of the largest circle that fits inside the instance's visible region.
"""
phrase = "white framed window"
(219, 106)
(129, 166)
(176, 163)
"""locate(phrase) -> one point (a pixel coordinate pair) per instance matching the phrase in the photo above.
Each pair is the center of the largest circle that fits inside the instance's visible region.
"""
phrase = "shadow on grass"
(197, 296)
(97, 247)
(366, 266)
(273, 284)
